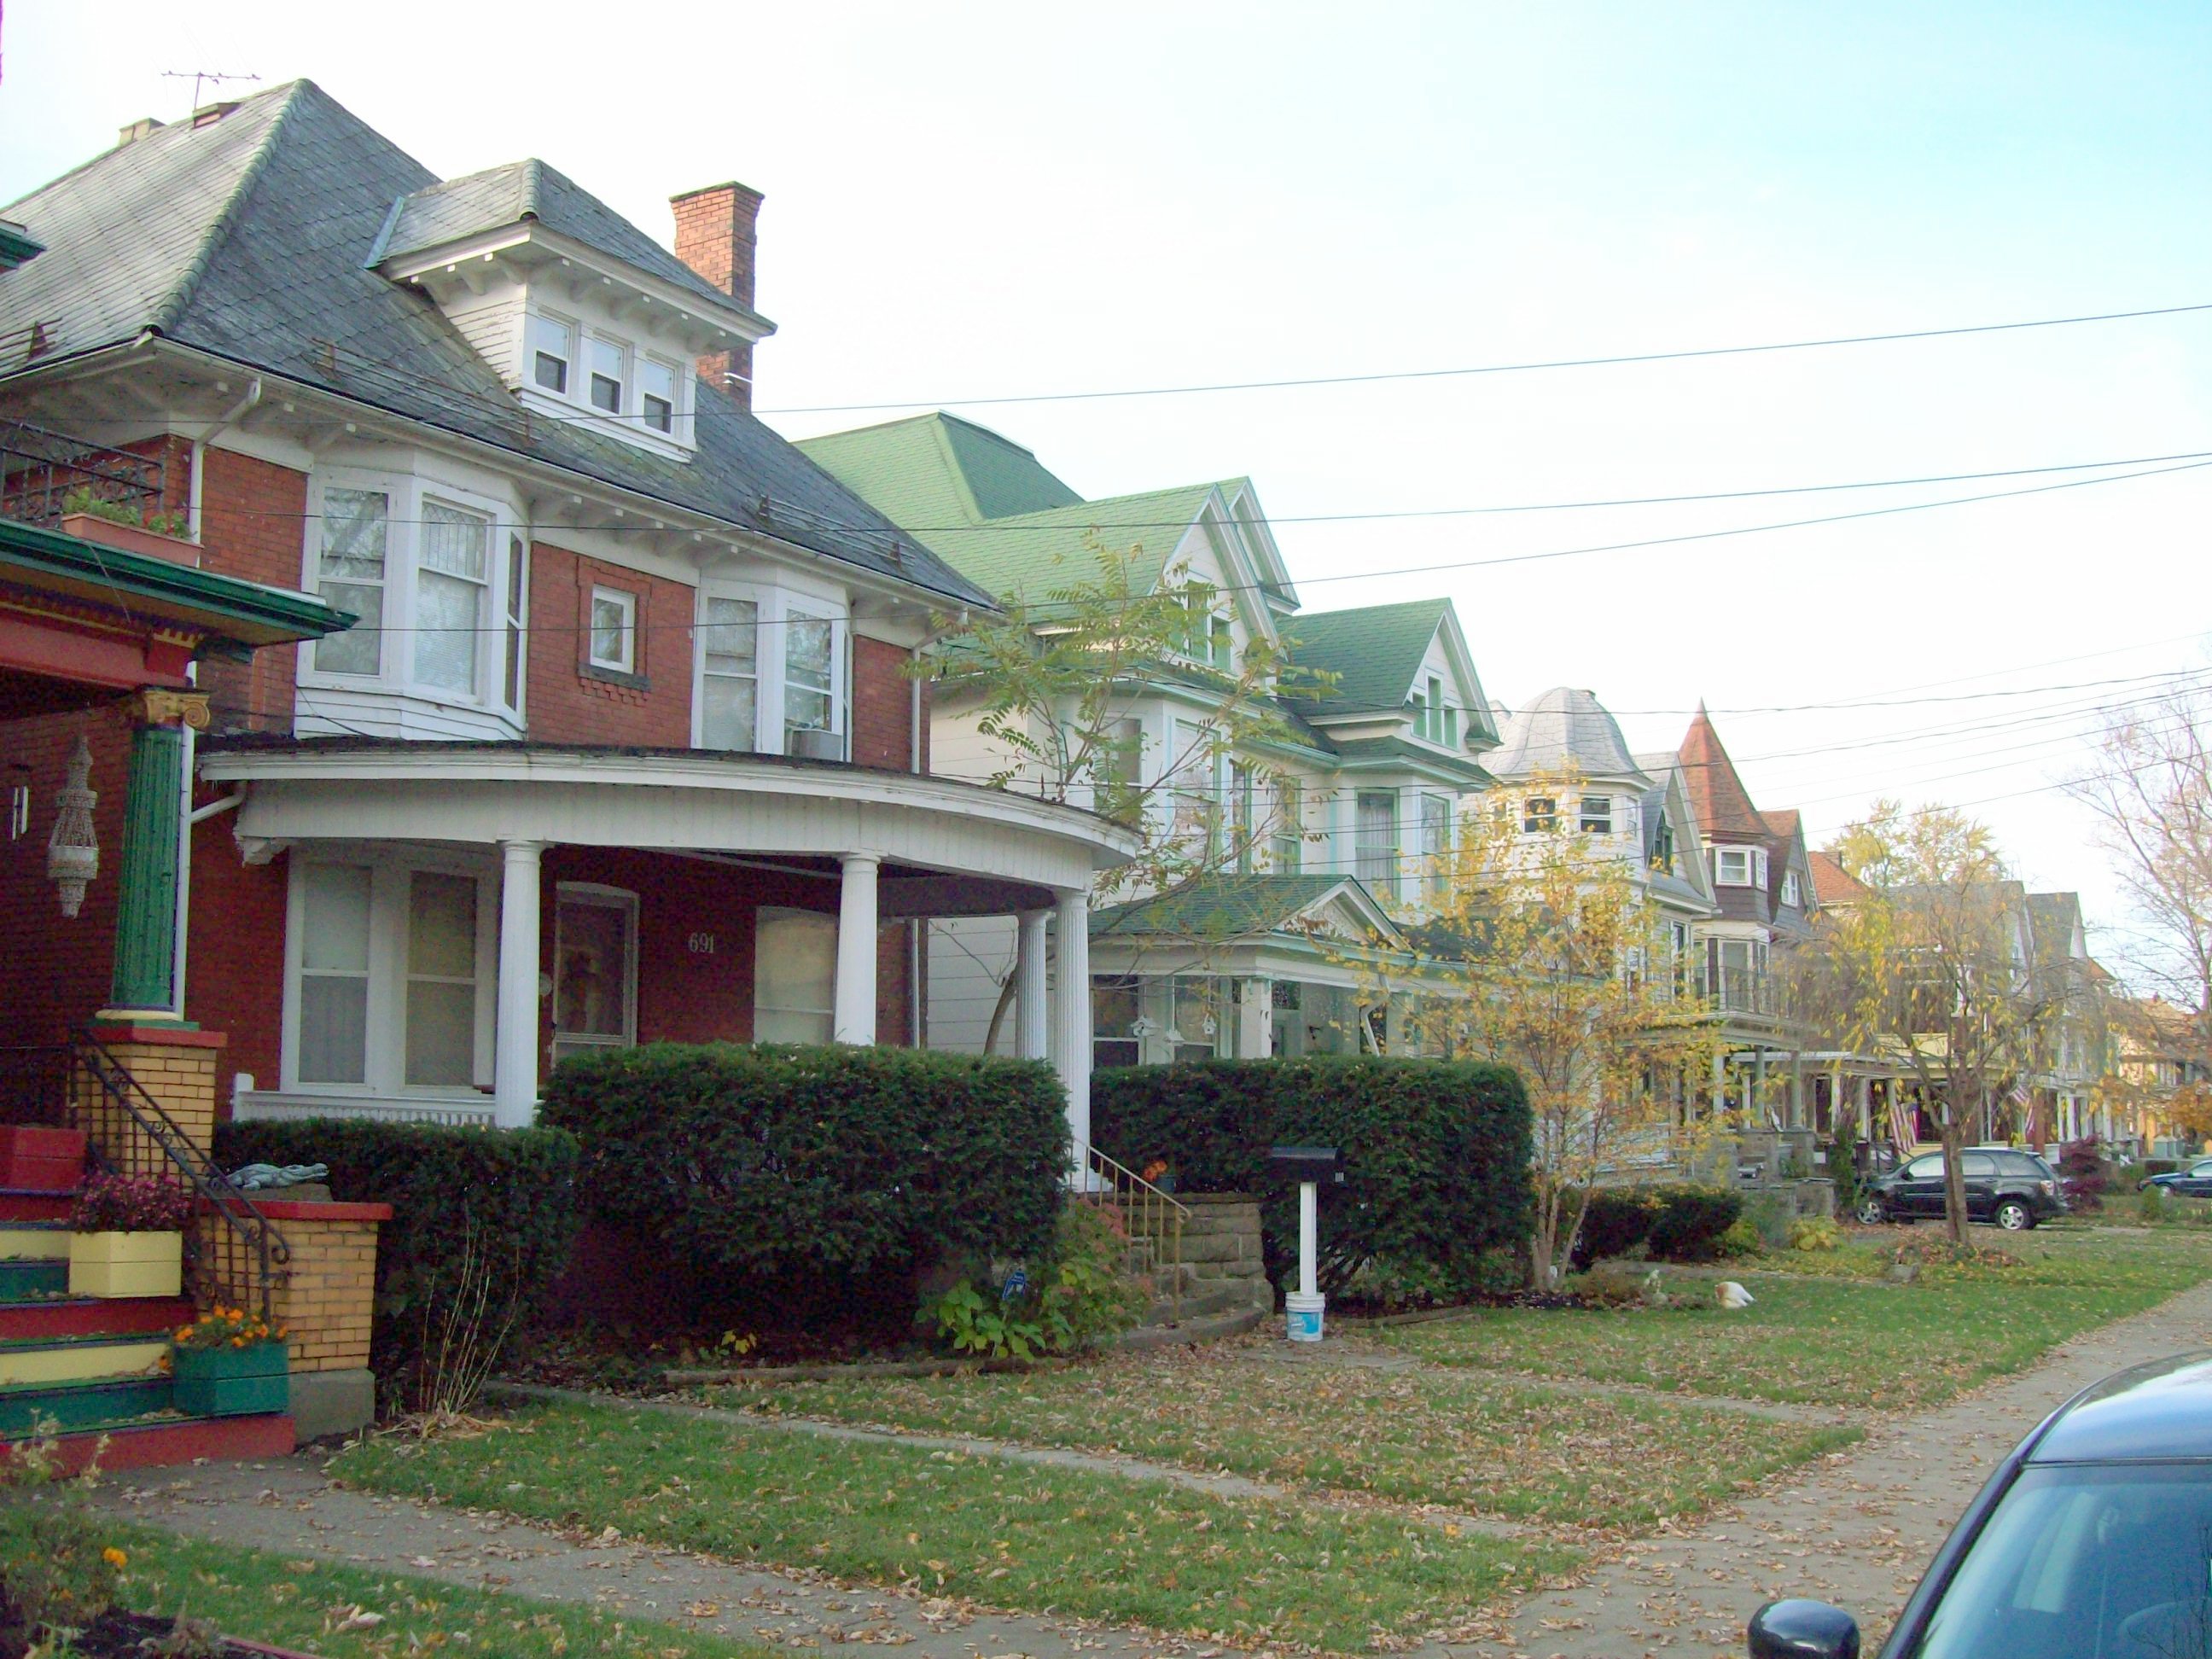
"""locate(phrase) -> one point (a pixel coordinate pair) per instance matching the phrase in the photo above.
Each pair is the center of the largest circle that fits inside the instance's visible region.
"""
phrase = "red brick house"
(621, 744)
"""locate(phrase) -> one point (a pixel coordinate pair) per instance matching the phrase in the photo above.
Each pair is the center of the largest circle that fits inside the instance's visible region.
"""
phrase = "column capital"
(849, 859)
(156, 705)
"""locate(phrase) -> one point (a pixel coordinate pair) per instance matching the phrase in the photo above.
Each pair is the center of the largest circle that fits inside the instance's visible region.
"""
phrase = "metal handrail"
(1159, 1215)
(249, 1236)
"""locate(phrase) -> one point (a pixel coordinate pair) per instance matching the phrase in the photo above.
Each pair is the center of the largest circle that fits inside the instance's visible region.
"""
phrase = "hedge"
(816, 1173)
(1680, 1224)
(512, 1193)
(1435, 1152)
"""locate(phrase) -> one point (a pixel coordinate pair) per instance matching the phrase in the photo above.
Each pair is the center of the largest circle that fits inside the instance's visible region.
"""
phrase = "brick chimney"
(714, 237)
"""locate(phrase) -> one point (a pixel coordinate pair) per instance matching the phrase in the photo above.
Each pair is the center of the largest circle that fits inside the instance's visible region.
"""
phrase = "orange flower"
(115, 1558)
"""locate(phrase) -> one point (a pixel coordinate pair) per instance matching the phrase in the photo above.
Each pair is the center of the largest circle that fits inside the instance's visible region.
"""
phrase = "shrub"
(1616, 1220)
(131, 1204)
(1843, 1161)
(1742, 1238)
(58, 1570)
(2081, 1167)
(1436, 1152)
(2150, 1204)
(1692, 1221)
(828, 1178)
(2153, 1166)
(1081, 1296)
(1814, 1232)
(505, 1199)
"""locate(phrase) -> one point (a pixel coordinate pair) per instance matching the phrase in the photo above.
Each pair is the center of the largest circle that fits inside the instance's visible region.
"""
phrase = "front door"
(594, 970)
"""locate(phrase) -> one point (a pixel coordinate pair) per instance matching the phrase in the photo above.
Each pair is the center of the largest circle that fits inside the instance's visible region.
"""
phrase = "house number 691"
(701, 944)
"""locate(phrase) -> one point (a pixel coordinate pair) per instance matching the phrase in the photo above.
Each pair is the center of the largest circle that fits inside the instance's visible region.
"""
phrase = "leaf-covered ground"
(1011, 1535)
(1840, 1341)
(348, 1613)
(1411, 1436)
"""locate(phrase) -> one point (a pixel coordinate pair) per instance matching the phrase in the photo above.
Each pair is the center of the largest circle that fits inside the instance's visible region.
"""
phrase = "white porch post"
(1032, 1013)
(1256, 1019)
(1071, 1012)
(854, 1016)
(514, 1041)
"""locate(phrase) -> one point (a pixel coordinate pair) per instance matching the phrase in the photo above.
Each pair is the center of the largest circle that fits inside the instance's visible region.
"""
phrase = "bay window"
(768, 665)
(1595, 818)
(1437, 846)
(390, 970)
(449, 597)
(1375, 858)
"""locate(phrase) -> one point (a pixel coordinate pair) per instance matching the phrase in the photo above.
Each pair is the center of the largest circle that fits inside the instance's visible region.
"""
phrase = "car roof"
(2160, 1411)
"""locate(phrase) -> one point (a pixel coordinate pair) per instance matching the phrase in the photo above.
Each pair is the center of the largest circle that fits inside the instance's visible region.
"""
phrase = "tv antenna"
(200, 77)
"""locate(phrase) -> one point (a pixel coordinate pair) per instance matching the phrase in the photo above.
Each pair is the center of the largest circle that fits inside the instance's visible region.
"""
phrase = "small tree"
(1935, 966)
(1541, 950)
(1050, 684)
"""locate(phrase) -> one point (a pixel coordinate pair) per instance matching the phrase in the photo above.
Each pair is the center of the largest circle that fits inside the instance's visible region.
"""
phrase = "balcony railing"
(41, 472)
(1741, 991)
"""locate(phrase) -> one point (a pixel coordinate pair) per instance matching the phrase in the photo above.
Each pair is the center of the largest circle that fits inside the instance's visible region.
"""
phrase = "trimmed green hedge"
(1615, 1221)
(1435, 1152)
(817, 1167)
(512, 1193)
(1681, 1223)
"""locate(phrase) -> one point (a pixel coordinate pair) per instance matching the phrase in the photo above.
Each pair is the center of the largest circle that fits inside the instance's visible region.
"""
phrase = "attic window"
(552, 349)
(1596, 817)
(608, 373)
(656, 386)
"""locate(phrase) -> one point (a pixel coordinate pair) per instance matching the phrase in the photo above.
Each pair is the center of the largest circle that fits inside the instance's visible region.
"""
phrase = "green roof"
(930, 472)
(1375, 652)
(1035, 552)
(1220, 907)
(236, 616)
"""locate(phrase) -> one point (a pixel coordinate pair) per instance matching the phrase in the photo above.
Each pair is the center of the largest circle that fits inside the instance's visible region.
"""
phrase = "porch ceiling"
(677, 801)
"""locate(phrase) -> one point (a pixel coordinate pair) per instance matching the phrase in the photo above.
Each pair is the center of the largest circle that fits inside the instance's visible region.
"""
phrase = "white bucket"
(1301, 1316)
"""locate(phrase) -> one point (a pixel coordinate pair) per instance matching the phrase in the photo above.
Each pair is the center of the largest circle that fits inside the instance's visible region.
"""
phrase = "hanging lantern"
(73, 850)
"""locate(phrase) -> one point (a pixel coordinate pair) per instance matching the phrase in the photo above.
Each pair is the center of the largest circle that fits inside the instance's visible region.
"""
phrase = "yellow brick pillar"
(325, 1297)
(177, 1067)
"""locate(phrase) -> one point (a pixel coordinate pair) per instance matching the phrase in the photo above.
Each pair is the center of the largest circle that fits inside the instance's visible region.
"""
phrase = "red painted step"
(164, 1445)
(127, 1316)
(16, 1205)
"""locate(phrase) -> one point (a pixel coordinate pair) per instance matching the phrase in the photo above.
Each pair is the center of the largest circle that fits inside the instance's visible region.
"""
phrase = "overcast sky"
(972, 202)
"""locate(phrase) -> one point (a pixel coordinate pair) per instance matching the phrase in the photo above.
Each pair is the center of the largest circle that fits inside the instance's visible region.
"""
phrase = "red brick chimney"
(714, 237)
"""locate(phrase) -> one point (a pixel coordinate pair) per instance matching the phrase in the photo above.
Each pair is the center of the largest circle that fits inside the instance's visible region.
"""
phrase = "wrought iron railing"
(1741, 991)
(235, 1255)
(41, 471)
(34, 1086)
(1147, 1213)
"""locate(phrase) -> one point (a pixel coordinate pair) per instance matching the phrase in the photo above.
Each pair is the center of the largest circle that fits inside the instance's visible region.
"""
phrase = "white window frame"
(1437, 817)
(575, 402)
(1594, 815)
(406, 496)
(776, 604)
(624, 600)
(385, 1058)
(619, 899)
(1722, 855)
(1791, 889)
(625, 379)
(675, 400)
(532, 318)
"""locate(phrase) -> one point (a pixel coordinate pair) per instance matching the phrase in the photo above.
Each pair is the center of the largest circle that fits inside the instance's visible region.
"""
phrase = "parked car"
(2012, 1188)
(2192, 1180)
(2093, 1538)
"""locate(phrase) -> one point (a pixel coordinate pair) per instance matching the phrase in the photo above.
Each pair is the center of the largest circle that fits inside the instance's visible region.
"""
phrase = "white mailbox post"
(1308, 1166)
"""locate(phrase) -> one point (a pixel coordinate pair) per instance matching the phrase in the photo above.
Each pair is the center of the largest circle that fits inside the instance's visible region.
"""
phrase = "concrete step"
(1191, 1331)
(50, 1360)
(1199, 1304)
(135, 1445)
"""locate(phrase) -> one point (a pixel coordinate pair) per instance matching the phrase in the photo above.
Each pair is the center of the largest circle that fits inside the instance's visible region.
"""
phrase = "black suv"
(2014, 1189)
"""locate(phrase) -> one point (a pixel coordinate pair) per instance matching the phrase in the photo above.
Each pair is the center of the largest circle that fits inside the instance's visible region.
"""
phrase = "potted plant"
(39, 1160)
(229, 1363)
(127, 1235)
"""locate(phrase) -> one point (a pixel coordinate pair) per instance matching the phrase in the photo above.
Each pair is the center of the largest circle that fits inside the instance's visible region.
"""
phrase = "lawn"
(288, 1602)
(1421, 1437)
(1808, 1338)
(1005, 1535)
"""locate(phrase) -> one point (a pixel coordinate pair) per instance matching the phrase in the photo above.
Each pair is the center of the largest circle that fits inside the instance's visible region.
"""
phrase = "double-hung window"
(729, 673)
(1539, 815)
(610, 374)
(517, 566)
(794, 976)
(450, 589)
(808, 673)
(1287, 850)
(1595, 818)
(1115, 1008)
(656, 394)
(333, 976)
(614, 630)
(770, 664)
(355, 525)
(1732, 866)
(551, 346)
(1436, 847)
(1375, 854)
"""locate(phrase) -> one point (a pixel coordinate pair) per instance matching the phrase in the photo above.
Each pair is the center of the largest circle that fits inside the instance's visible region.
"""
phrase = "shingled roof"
(1717, 793)
(1375, 652)
(246, 238)
(1566, 729)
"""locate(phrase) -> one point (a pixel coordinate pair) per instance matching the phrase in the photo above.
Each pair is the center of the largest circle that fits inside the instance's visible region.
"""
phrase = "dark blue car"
(2093, 1540)
(2192, 1180)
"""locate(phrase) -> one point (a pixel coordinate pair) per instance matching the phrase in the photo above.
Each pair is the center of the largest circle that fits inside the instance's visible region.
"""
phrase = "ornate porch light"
(73, 849)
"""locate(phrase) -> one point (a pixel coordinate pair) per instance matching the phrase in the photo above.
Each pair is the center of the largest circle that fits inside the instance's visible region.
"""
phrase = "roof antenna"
(207, 77)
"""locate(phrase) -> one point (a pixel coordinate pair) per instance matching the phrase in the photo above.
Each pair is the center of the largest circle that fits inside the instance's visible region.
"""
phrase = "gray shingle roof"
(245, 239)
(1565, 730)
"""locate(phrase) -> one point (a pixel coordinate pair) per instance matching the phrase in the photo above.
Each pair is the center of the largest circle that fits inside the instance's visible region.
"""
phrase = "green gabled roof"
(1375, 652)
(928, 472)
(1220, 907)
(1035, 552)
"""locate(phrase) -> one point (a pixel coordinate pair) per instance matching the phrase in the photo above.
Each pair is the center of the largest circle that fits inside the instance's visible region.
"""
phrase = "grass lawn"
(1825, 1339)
(1009, 1535)
(1421, 1437)
(288, 1602)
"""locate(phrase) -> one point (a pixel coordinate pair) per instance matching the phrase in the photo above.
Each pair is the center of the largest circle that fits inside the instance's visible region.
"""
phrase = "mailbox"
(1314, 1163)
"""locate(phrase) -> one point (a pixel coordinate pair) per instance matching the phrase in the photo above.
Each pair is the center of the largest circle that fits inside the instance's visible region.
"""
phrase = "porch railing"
(235, 1255)
(40, 471)
(1145, 1212)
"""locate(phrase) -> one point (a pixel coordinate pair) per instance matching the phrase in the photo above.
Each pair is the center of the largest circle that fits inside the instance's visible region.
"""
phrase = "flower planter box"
(233, 1381)
(126, 1264)
(42, 1160)
(130, 537)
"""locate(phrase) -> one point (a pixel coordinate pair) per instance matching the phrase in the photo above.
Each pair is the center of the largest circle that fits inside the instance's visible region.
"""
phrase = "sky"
(975, 202)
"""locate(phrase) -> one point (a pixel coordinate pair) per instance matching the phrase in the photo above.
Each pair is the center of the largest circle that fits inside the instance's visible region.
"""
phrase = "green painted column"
(146, 890)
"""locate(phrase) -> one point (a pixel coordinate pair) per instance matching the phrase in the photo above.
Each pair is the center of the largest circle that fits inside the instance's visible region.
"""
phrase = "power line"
(1615, 360)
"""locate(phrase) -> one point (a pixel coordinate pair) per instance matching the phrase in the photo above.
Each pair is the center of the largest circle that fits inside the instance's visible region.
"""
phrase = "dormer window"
(656, 392)
(1790, 893)
(1739, 867)
(552, 345)
(610, 369)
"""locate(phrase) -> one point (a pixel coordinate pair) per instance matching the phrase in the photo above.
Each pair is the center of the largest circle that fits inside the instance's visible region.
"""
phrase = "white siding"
(967, 960)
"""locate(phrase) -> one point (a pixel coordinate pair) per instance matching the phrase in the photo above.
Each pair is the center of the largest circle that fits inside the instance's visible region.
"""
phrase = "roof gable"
(1375, 653)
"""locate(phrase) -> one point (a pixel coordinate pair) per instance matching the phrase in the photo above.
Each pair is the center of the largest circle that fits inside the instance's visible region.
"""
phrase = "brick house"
(621, 744)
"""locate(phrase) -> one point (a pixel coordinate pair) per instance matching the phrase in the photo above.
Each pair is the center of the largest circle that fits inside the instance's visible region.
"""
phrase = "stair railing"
(1146, 1211)
(237, 1261)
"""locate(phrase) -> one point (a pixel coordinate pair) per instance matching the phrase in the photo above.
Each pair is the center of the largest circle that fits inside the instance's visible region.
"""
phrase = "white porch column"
(1256, 1019)
(1032, 1013)
(853, 1017)
(1071, 1010)
(514, 1041)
